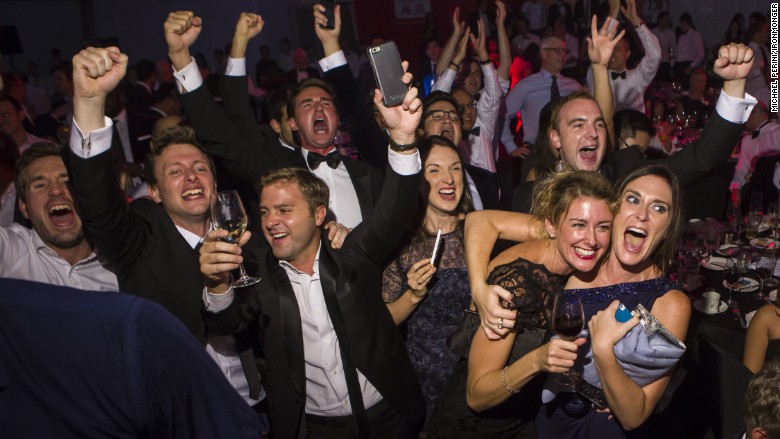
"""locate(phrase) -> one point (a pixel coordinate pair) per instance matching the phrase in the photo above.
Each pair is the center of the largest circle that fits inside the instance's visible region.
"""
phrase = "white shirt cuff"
(218, 302)
(733, 109)
(330, 62)
(94, 143)
(188, 78)
(236, 67)
(404, 164)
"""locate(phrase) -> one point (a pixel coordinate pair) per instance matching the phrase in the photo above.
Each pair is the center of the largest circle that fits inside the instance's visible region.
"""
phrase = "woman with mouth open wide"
(574, 215)
(645, 232)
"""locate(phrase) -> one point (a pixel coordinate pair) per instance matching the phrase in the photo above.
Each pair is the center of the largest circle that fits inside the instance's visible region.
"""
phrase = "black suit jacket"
(353, 274)
(690, 165)
(249, 150)
(137, 241)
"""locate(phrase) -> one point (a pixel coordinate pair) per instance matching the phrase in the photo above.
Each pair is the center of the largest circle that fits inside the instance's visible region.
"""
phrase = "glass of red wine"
(568, 322)
(731, 275)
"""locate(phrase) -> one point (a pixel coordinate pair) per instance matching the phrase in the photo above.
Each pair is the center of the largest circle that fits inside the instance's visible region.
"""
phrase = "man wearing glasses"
(534, 92)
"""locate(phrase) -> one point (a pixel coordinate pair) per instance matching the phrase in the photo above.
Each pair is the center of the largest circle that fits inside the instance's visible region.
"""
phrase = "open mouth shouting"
(634, 238)
(320, 125)
(589, 155)
(447, 194)
(449, 133)
(62, 215)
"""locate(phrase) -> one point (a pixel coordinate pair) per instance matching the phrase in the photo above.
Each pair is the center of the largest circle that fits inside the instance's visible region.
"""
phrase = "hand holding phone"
(329, 6)
(388, 72)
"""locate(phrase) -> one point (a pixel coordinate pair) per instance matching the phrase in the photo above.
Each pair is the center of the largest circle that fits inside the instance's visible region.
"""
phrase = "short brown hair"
(34, 152)
(556, 111)
(314, 190)
(175, 135)
(554, 194)
(762, 400)
(303, 85)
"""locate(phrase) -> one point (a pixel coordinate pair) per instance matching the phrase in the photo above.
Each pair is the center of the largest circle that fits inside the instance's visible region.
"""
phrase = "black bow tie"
(616, 75)
(313, 159)
(754, 134)
(474, 131)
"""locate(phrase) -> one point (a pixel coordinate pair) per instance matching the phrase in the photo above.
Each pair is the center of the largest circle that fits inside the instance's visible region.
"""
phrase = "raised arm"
(504, 49)
(628, 402)
(601, 43)
(648, 67)
(482, 230)
(722, 131)
(446, 79)
(447, 53)
(117, 233)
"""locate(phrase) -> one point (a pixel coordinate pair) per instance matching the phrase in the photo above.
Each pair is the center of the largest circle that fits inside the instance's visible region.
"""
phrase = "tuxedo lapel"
(361, 181)
(290, 322)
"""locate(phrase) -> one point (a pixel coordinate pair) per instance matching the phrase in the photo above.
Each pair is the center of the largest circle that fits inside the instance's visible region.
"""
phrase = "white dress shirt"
(529, 97)
(690, 47)
(534, 12)
(668, 41)
(630, 92)
(767, 143)
(24, 255)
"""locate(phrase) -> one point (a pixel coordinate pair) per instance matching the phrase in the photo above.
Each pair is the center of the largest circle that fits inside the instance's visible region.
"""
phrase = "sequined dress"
(534, 289)
(437, 315)
(568, 416)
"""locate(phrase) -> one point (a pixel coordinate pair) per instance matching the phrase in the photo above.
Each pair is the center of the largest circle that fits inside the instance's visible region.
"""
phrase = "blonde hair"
(554, 194)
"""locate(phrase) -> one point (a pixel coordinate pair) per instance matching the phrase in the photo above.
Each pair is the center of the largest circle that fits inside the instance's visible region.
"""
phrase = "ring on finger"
(500, 323)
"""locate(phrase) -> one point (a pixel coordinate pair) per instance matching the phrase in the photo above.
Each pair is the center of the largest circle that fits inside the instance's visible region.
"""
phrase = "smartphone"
(388, 72)
(436, 248)
(329, 6)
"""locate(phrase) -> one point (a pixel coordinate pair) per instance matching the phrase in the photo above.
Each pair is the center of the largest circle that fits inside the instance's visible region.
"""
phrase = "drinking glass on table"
(731, 275)
(227, 212)
(754, 221)
(568, 322)
(765, 267)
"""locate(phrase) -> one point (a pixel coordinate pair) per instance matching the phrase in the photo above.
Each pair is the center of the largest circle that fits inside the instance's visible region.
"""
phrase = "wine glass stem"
(243, 272)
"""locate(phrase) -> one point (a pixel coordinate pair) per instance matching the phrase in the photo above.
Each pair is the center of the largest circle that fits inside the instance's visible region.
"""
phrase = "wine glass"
(764, 269)
(227, 212)
(731, 275)
(568, 322)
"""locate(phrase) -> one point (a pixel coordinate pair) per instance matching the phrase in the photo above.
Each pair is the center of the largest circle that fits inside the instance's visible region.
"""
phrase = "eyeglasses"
(557, 50)
(438, 115)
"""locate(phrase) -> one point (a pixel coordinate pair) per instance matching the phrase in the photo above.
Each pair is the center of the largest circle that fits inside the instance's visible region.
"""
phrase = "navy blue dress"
(568, 415)
(437, 315)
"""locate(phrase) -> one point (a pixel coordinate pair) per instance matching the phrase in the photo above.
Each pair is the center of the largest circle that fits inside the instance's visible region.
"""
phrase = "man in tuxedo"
(81, 364)
(301, 71)
(335, 365)
(151, 243)
(579, 131)
(248, 150)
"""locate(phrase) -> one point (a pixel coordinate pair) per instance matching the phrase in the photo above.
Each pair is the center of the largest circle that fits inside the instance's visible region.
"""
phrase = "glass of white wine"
(227, 212)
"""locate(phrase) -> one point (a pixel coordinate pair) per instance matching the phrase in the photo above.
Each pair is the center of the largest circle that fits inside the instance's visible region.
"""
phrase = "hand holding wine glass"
(227, 212)
(568, 322)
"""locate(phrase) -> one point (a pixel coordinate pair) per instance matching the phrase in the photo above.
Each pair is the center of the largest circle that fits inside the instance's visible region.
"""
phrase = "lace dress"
(534, 289)
(569, 416)
(437, 315)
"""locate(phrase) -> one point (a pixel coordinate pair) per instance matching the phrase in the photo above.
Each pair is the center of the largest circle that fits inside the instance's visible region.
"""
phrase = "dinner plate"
(762, 242)
(728, 249)
(714, 263)
(743, 285)
(699, 305)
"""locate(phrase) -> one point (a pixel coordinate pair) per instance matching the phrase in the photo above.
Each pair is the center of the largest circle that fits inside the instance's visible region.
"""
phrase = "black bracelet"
(457, 66)
(484, 63)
